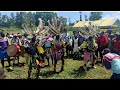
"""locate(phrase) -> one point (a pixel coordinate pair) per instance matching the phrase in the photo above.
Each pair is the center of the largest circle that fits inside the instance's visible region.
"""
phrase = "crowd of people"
(56, 47)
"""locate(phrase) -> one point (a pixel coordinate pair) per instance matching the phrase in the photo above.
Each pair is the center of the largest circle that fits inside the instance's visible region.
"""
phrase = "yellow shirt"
(40, 49)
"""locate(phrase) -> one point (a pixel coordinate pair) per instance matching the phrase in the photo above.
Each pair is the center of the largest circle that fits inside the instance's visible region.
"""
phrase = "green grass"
(72, 70)
(12, 30)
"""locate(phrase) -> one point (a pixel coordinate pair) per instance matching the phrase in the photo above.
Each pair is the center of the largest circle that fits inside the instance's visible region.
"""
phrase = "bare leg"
(55, 62)
(9, 61)
(38, 71)
(62, 68)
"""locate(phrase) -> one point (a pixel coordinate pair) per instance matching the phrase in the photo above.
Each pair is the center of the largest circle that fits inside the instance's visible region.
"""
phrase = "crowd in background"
(75, 47)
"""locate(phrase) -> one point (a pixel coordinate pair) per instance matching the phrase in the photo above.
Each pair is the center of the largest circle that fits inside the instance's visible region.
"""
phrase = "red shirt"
(117, 45)
(103, 41)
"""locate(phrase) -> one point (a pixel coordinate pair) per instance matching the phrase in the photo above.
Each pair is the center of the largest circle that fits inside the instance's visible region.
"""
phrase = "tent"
(78, 24)
(110, 23)
(106, 23)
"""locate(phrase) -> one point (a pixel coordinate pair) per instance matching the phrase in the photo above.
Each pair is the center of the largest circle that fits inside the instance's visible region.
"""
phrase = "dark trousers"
(115, 76)
(100, 49)
(68, 51)
(55, 62)
(96, 53)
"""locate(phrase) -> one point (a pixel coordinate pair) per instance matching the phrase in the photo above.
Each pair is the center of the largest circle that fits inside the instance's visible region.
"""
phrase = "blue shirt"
(66, 38)
(115, 65)
(3, 44)
(47, 44)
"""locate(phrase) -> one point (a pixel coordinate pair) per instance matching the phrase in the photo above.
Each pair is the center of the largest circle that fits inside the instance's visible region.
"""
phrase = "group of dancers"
(56, 47)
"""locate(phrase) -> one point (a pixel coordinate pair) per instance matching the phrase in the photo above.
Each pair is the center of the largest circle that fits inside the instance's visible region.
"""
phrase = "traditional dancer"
(58, 52)
(102, 42)
(15, 40)
(89, 51)
(3, 47)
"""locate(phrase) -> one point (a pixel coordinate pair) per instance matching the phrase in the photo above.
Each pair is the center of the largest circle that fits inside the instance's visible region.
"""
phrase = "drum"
(13, 49)
(22, 52)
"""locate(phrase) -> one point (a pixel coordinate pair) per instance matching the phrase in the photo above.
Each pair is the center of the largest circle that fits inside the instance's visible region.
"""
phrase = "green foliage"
(27, 18)
(86, 19)
(44, 16)
(95, 16)
(12, 30)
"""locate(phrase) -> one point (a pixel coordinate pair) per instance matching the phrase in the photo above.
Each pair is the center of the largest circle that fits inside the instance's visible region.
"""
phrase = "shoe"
(93, 67)
(54, 71)
(10, 68)
(62, 69)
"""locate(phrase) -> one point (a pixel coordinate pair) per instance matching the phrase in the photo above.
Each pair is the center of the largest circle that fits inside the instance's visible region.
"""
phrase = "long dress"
(75, 49)
(4, 45)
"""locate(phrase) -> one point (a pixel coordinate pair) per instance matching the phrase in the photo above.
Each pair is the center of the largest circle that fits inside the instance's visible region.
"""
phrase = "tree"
(5, 20)
(44, 16)
(95, 16)
(71, 24)
(0, 20)
(18, 22)
(12, 19)
(86, 19)
(64, 20)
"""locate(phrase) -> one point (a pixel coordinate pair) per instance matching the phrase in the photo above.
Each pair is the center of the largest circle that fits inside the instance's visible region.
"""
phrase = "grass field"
(72, 70)
(12, 30)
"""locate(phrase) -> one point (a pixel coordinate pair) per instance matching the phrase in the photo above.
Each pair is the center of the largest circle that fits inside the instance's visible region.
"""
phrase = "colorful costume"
(112, 61)
(3, 45)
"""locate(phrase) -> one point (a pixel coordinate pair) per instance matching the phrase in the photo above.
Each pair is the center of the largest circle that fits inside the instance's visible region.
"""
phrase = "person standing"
(75, 46)
(15, 40)
(66, 39)
(116, 45)
(3, 49)
(102, 42)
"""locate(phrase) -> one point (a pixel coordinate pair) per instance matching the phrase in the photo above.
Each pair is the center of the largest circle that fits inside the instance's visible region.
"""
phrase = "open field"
(72, 70)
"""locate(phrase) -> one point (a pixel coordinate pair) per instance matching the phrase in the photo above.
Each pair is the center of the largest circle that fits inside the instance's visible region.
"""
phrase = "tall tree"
(5, 20)
(12, 19)
(86, 19)
(0, 20)
(95, 16)
(64, 20)
(18, 20)
(44, 16)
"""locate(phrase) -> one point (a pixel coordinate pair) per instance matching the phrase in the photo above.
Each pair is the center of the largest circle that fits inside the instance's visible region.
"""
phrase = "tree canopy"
(95, 16)
(27, 17)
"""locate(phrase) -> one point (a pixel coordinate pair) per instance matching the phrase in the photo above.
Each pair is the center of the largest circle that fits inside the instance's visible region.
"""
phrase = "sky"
(74, 15)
